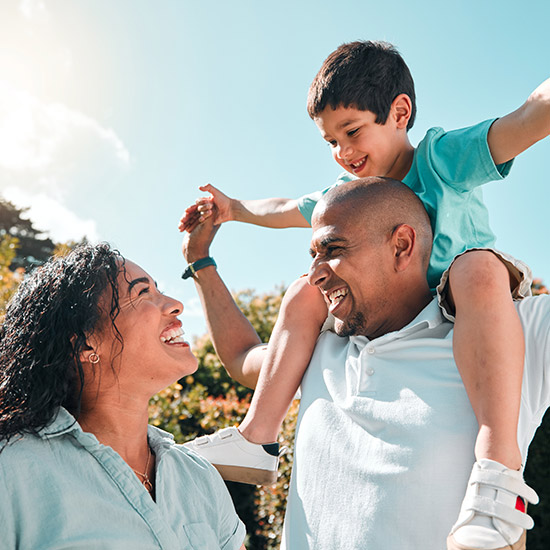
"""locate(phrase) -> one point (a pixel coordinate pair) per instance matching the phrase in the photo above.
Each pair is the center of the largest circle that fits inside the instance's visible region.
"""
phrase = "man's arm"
(511, 135)
(273, 212)
(235, 340)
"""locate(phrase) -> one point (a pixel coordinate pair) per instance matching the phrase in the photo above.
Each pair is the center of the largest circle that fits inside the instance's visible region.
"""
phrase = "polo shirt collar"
(430, 317)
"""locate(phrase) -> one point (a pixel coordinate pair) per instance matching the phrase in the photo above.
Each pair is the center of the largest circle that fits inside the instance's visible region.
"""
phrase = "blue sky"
(113, 113)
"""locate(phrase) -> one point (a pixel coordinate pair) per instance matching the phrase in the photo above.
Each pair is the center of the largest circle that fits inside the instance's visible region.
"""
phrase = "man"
(385, 434)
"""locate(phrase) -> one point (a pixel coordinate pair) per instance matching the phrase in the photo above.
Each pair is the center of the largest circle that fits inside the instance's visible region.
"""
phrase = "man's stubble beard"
(353, 326)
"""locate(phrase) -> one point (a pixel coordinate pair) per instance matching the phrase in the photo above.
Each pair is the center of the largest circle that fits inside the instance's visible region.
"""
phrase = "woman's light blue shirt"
(65, 490)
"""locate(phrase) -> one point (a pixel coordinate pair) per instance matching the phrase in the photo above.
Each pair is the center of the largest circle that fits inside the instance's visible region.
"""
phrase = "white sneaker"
(493, 514)
(237, 459)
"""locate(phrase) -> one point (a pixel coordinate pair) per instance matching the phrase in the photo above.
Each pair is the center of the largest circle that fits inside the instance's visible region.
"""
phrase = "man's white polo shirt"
(386, 433)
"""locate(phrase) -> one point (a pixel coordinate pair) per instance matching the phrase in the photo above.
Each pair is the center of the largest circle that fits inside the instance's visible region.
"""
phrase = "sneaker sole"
(453, 545)
(252, 476)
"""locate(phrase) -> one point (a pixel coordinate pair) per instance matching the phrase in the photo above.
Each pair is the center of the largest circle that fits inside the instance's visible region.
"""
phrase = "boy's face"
(360, 145)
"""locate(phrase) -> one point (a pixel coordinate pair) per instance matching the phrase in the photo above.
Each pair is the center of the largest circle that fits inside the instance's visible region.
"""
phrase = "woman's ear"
(89, 356)
(89, 353)
(403, 241)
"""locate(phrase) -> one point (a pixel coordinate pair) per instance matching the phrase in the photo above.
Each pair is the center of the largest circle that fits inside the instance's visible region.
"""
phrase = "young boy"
(363, 102)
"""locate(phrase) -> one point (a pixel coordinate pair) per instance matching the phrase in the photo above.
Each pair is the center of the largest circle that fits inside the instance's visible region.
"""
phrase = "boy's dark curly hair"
(367, 75)
(45, 330)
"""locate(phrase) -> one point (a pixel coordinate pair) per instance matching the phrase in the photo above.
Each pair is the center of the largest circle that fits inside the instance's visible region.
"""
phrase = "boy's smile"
(363, 147)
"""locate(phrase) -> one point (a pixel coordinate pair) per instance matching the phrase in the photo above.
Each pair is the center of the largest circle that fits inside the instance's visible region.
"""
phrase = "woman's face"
(154, 353)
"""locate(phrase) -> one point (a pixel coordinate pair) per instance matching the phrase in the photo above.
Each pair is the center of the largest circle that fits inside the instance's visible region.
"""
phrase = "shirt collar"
(64, 422)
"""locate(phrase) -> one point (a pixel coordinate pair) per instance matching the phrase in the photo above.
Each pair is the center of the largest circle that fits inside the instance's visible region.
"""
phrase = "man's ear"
(401, 110)
(403, 242)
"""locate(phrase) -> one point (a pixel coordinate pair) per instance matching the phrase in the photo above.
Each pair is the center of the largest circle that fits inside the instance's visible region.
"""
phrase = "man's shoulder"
(534, 312)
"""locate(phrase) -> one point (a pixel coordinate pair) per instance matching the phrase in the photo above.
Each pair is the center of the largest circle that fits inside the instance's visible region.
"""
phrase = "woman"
(86, 341)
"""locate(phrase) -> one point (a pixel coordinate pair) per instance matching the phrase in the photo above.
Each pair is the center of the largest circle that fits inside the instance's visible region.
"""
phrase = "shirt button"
(370, 371)
(370, 350)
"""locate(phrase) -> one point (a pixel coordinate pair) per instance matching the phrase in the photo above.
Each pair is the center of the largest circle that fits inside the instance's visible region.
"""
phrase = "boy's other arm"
(511, 135)
(273, 212)
(235, 340)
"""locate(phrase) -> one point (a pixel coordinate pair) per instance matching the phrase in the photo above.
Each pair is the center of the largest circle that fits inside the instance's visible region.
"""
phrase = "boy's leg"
(249, 454)
(489, 350)
(303, 311)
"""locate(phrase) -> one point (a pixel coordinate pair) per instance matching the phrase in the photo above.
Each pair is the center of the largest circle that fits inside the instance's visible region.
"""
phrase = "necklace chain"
(146, 480)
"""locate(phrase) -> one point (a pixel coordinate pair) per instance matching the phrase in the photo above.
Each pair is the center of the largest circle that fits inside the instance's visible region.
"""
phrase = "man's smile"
(335, 298)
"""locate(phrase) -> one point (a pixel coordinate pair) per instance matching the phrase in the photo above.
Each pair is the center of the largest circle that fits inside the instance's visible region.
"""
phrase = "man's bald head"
(380, 205)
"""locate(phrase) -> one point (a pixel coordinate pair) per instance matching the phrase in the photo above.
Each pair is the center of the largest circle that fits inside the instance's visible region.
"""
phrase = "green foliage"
(9, 280)
(261, 311)
(34, 247)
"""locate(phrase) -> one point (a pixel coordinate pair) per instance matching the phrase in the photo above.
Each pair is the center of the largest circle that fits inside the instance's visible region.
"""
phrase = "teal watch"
(191, 269)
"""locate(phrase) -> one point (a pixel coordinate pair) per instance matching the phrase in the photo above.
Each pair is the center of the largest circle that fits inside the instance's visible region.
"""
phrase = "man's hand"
(217, 205)
(196, 243)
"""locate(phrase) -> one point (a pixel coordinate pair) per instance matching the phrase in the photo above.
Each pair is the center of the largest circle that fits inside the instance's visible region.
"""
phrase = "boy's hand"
(204, 207)
(512, 134)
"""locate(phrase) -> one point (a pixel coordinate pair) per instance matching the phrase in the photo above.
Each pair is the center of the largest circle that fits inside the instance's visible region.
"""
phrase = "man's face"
(353, 271)
(358, 143)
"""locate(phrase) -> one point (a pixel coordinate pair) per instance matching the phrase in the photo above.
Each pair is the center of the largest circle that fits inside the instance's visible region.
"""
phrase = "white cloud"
(32, 8)
(49, 153)
(41, 138)
(48, 214)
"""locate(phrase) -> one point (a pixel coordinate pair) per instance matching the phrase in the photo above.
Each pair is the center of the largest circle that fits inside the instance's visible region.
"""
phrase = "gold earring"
(94, 358)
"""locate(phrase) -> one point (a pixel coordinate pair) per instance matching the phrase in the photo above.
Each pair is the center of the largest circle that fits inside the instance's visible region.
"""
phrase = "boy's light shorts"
(520, 280)
(520, 284)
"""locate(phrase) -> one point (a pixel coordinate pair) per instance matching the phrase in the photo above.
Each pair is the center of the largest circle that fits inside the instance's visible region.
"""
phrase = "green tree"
(9, 278)
(34, 247)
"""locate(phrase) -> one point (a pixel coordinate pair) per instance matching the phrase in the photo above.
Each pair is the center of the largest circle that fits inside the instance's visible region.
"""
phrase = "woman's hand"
(197, 241)
(217, 204)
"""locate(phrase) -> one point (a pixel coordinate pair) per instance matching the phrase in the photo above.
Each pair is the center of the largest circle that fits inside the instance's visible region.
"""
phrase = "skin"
(488, 340)
(234, 338)
(363, 147)
(118, 389)
(366, 274)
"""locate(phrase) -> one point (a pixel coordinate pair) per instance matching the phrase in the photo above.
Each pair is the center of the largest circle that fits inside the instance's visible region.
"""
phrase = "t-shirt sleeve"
(461, 158)
(306, 204)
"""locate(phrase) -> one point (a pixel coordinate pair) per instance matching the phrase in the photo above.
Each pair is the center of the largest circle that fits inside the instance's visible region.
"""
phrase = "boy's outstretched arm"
(511, 135)
(273, 212)
(235, 340)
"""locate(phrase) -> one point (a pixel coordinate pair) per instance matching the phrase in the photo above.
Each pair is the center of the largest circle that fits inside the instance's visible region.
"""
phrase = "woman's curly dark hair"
(47, 323)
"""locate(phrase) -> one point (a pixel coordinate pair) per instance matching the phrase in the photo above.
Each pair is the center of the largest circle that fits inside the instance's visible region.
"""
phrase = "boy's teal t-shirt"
(447, 171)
